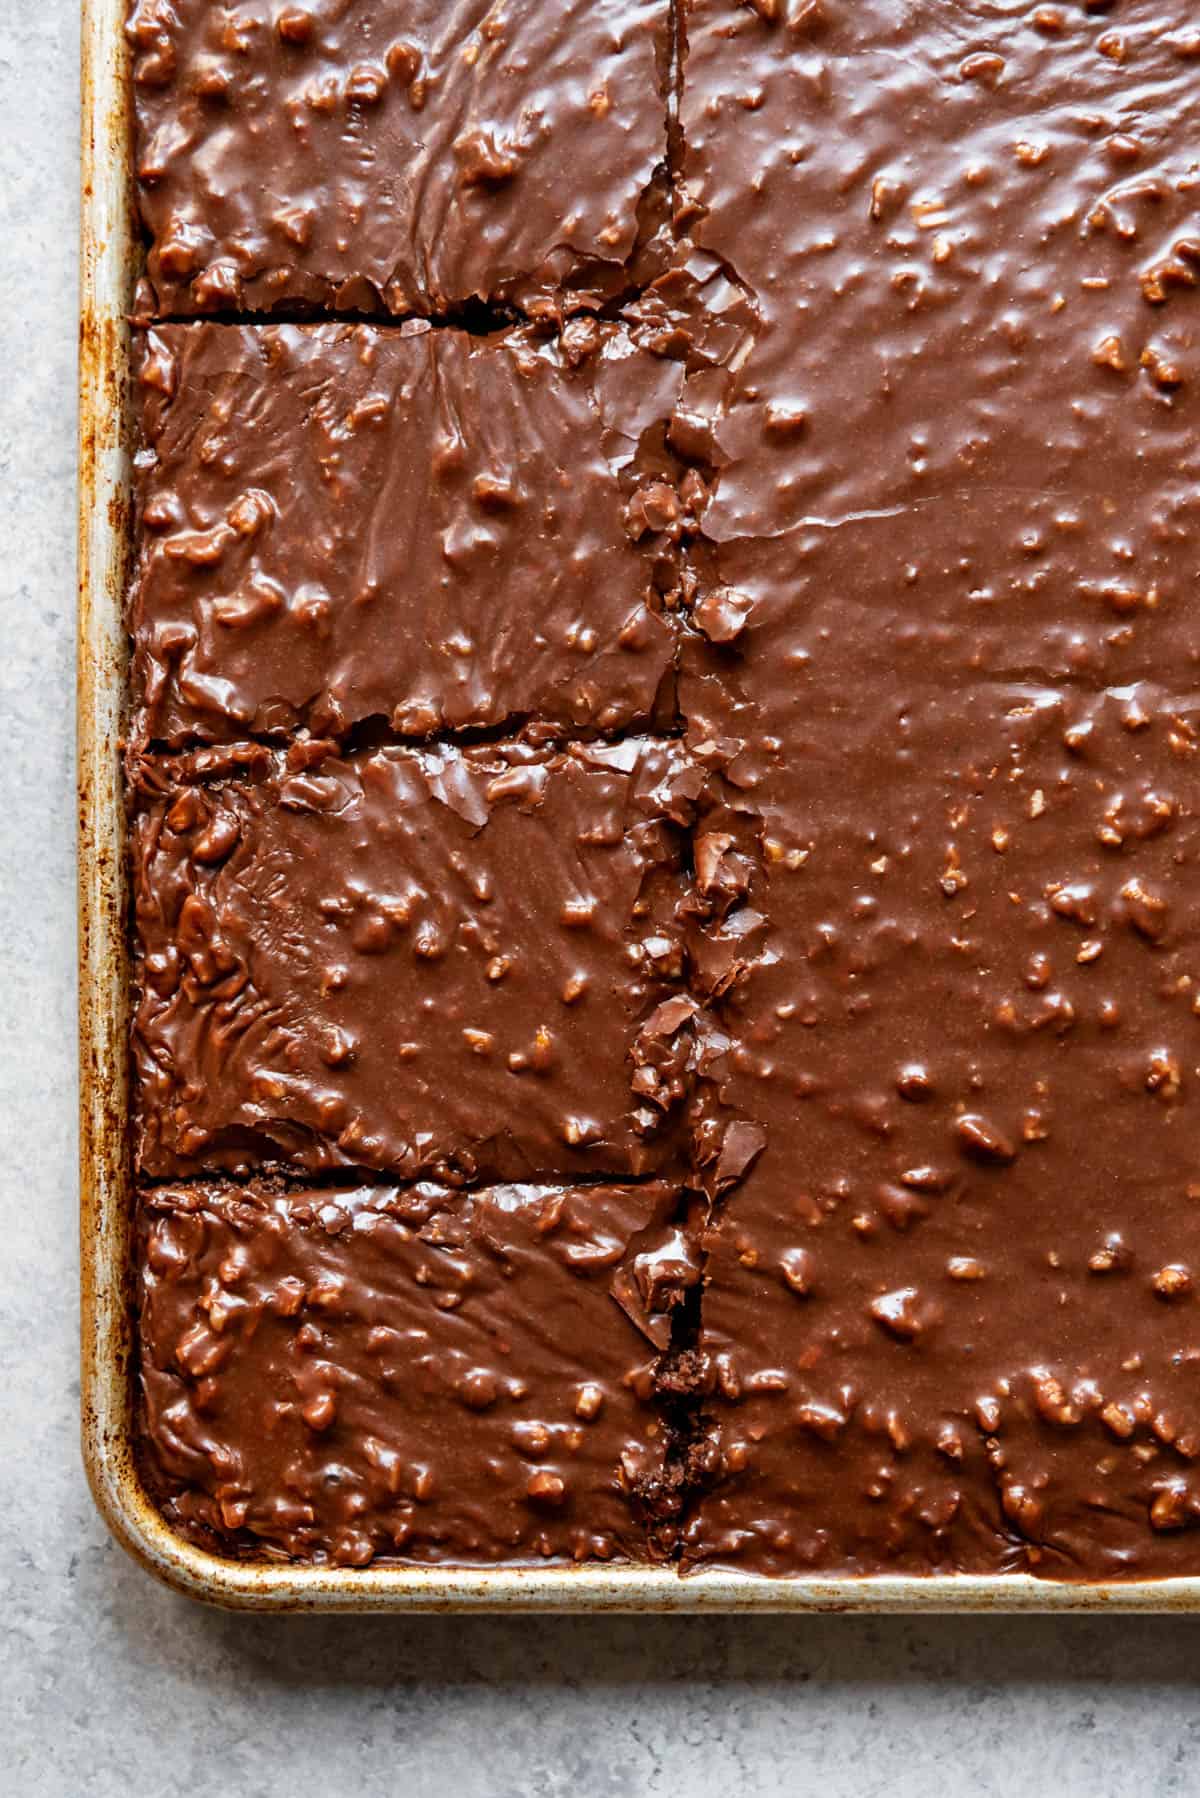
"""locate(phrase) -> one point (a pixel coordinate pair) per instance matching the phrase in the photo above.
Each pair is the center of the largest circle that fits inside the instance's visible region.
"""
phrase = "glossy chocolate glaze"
(340, 523)
(461, 960)
(973, 394)
(960, 1005)
(411, 1374)
(977, 1399)
(919, 1031)
(409, 156)
(945, 668)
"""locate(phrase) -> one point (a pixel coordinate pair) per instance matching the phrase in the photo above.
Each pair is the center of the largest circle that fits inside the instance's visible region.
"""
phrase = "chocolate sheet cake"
(664, 782)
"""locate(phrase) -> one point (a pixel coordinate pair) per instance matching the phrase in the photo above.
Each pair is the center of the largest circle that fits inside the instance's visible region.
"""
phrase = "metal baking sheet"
(108, 260)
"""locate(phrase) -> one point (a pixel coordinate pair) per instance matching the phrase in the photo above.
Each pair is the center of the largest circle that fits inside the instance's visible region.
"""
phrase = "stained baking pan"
(108, 262)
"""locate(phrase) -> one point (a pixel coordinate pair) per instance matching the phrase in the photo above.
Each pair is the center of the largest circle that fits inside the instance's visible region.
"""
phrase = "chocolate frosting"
(414, 156)
(959, 1005)
(982, 1389)
(462, 960)
(409, 1374)
(341, 523)
(876, 943)
(972, 238)
(943, 667)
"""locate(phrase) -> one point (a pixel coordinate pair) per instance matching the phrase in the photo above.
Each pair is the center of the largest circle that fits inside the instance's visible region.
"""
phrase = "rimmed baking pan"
(108, 264)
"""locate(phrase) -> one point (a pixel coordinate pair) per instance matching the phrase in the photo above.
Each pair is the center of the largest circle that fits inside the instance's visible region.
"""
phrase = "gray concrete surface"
(110, 1686)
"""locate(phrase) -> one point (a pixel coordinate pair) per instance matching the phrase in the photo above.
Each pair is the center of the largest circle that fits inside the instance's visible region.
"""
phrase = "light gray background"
(109, 1685)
